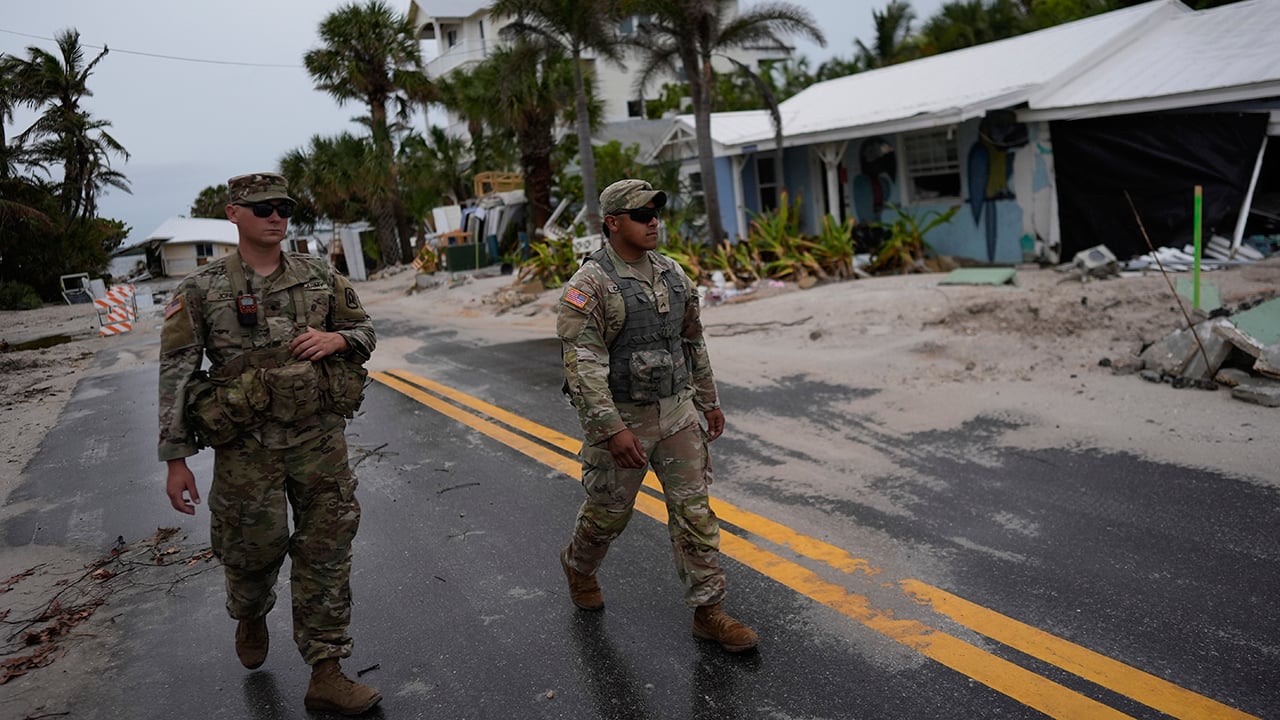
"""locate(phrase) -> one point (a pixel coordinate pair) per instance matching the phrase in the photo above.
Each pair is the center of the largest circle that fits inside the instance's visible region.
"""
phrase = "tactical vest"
(268, 384)
(646, 359)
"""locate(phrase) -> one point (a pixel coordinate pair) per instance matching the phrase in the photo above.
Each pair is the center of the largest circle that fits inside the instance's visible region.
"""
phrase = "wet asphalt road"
(461, 609)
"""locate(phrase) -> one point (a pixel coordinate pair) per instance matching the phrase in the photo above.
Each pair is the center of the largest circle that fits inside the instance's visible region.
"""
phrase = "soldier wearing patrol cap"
(637, 372)
(286, 339)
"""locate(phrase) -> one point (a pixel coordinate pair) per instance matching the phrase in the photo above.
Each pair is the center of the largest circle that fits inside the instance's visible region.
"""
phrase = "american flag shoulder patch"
(577, 298)
(174, 306)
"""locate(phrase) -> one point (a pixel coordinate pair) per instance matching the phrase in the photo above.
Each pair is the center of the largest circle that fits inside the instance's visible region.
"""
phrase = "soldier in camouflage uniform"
(638, 374)
(286, 338)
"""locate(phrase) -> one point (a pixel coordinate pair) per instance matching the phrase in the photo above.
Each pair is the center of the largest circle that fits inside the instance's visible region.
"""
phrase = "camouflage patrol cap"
(629, 195)
(256, 187)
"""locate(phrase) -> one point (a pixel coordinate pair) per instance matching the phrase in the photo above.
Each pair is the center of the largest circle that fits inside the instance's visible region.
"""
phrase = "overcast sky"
(188, 125)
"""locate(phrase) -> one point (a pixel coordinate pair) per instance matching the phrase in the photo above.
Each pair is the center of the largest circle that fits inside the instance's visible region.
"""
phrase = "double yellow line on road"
(559, 451)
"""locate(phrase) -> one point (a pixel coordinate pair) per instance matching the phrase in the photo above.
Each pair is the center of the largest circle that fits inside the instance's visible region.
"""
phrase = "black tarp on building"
(1158, 158)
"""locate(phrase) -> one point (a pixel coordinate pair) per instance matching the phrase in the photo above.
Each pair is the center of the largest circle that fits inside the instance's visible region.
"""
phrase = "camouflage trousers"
(254, 490)
(679, 458)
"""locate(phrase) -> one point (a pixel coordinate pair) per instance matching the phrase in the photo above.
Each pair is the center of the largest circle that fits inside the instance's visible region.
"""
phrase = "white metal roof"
(192, 230)
(1226, 54)
(941, 89)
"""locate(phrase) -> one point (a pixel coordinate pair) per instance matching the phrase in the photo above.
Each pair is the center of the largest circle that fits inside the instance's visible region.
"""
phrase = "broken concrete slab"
(1268, 362)
(1242, 340)
(1259, 391)
(1203, 365)
(1232, 377)
(1179, 355)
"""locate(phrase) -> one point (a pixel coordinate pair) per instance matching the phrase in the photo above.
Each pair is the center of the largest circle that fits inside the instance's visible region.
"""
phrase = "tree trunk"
(586, 155)
(535, 157)
(386, 223)
(395, 249)
(706, 154)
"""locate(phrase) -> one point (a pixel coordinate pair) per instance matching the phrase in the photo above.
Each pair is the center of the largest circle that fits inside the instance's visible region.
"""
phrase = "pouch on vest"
(343, 383)
(216, 416)
(652, 374)
(294, 390)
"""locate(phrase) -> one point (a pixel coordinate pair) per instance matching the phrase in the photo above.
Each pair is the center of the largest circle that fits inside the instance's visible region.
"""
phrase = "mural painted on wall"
(990, 165)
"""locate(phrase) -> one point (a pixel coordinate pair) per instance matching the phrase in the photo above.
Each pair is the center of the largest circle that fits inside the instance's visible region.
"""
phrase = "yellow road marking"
(1016, 682)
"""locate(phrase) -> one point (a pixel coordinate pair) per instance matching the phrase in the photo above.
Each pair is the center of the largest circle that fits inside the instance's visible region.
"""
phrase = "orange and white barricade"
(117, 310)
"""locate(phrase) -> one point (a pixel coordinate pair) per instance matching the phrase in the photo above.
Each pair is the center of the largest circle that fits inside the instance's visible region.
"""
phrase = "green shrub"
(18, 296)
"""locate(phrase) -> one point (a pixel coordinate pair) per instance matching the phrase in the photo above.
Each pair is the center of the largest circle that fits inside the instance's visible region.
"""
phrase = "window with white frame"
(932, 161)
(204, 251)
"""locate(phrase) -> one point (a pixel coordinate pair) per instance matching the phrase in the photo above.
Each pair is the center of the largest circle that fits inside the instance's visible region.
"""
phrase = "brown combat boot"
(331, 690)
(584, 591)
(252, 642)
(710, 622)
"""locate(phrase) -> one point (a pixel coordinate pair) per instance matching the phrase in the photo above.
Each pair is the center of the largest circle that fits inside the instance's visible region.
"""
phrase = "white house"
(992, 128)
(180, 245)
(465, 33)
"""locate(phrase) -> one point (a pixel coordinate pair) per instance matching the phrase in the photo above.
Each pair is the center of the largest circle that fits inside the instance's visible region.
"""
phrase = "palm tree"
(64, 133)
(530, 86)
(493, 147)
(684, 35)
(965, 23)
(577, 27)
(438, 165)
(893, 43)
(370, 54)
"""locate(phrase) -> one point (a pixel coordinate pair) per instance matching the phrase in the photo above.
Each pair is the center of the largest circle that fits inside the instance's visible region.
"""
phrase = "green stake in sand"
(1195, 268)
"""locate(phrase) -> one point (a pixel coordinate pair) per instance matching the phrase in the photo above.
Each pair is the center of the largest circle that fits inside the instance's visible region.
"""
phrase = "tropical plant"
(576, 27)
(964, 23)
(18, 296)
(491, 147)
(211, 202)
(551, 262)
(906, 248)
(64, 133)
(530, 86)
(833, 247)
(684, 35)
(370, 54)
(893, 42)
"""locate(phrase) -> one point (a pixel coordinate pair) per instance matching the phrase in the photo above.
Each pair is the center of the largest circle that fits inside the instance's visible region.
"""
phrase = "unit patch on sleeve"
(577, 298)
(174, 306)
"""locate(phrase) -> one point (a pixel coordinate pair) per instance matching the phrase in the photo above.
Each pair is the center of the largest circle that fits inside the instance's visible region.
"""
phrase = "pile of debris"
(1239, 349)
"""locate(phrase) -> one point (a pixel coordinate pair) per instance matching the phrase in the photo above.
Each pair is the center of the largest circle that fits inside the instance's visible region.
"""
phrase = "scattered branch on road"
(444, 490)
(366, 453)
(729, 329)
(46, 622)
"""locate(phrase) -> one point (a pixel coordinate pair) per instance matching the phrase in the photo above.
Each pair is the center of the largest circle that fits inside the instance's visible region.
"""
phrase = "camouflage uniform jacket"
(589, 327)
(200, 320)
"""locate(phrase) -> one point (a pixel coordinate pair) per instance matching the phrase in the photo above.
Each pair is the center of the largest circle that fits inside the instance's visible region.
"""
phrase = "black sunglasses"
(264, 209)
(640, 215)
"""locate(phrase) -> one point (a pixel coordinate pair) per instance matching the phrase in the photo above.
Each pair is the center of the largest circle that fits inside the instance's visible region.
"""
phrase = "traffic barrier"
(117, 310)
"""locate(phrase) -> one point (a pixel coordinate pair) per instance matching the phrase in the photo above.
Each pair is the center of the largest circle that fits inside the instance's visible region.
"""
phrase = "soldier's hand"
(715, 423)
(179, 485)
(627, 451)
(317, 344)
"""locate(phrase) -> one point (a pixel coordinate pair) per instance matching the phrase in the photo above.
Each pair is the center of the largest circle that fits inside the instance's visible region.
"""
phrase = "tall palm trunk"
(586, 153)
(385, 215)
(399, 234)
(701, 91)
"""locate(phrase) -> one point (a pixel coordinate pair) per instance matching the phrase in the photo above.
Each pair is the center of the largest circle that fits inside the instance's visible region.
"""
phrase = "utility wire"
(162, 57)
